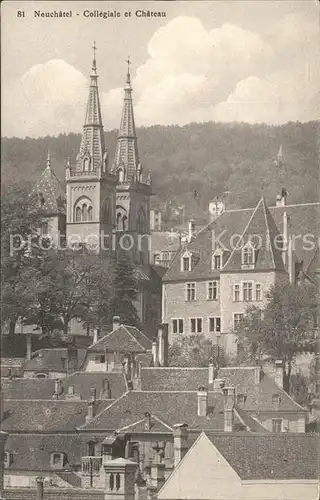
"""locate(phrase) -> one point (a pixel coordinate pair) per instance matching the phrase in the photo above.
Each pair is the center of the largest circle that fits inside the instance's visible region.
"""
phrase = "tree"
(195, 350)
(125, 292)
(285, 328)
(70, 284)
(20, 219)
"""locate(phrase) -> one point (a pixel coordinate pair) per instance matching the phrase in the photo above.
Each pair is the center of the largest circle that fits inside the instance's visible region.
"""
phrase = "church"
(106, 204)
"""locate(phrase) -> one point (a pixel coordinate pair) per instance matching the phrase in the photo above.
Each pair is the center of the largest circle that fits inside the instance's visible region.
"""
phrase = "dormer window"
(217, 260)
(8, 459)
(241, 399)
(248, 256)
(58, 460)
(186, 262)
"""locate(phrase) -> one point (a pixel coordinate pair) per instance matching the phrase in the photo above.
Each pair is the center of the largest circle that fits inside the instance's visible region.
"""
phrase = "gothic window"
(111, 482)
(78, 214)
(106, 211)
(90, 213)
(122, 219)
(121, 174)
(83, 210)
(86, 164)
(141, 222)
(117, 481)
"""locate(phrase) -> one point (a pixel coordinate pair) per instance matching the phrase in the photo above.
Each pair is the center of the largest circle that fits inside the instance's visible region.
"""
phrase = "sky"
(251, 61)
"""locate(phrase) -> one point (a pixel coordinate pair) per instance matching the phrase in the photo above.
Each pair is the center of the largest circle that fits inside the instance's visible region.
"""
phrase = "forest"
(193, 164)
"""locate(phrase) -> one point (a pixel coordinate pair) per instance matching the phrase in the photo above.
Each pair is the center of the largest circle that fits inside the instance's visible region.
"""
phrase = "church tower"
(133, 188)
(91, 187)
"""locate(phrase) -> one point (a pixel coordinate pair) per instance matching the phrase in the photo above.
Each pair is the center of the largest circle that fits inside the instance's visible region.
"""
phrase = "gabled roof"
(261, 226)
(303, 219)
(270, 456)
(49, 192)
(257, 387)
(123, 339)
(170, 407)
(45, 416)
(156, 425)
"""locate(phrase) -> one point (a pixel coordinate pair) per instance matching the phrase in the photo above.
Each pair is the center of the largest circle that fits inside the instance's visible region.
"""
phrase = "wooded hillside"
(208, 158)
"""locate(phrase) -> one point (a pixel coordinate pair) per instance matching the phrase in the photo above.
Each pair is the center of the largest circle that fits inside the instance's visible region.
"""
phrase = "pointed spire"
(127, 147)
(49, 159)
(280, 158)
(92, 148)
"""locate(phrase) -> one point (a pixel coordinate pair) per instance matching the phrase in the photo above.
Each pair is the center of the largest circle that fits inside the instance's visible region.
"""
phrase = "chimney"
(180, 442)
(93, 394)
(284, 238)
(106, 389)
(57, 388)
(29, 346)
(155, 354)
(279, 372)
(212, 371)
(120, 477)
(157, 472)
(202, 400)
(115, 322)
(91, 411)
(39, 483)
(229, 401)
(163, 344)
(281, 199)
(95, 335)
(291, 263)
(147, 424)
(191, 229)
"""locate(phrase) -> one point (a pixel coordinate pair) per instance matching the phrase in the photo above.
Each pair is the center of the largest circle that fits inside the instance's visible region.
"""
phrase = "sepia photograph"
(160, 261)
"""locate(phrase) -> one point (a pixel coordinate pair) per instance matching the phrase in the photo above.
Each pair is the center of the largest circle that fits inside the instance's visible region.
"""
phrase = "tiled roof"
(170, 407)
(123, 338)
(270, 456)
(31, 452)
(156, 425)
(303, 219)
(173, 379)
(257, 387)
(27, 388)
(44, 416)
(51, 360)
(164, 241)
(267, 256)
(248, 421)
(50, 192)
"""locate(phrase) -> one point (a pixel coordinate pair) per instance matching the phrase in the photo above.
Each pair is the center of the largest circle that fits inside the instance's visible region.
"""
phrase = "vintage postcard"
(160, 262)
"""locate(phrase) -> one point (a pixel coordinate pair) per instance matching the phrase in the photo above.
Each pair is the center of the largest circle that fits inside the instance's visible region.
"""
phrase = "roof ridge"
(268, 377)
(83, 426)
(138, 330)
(243, 233)
(268, 231)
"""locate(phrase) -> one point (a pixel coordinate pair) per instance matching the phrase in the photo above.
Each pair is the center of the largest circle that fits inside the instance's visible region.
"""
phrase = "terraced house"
(231, 264)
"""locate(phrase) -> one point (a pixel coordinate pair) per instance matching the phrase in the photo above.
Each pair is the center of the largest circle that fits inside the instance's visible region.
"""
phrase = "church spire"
(127, 155)
(92, 148)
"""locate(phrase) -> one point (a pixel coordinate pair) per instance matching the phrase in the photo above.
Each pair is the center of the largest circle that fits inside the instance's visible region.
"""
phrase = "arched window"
(118, 481)
(121, 174)
(121, 219)
(111, 482)
(90, 213)
(248, 256)
(141, 222)
(86, 164)
(83, 210)
(78, 214)
(106, 211)
(91, 448)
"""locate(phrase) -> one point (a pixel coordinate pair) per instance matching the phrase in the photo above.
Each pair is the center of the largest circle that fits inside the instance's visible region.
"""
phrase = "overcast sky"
(253, 61)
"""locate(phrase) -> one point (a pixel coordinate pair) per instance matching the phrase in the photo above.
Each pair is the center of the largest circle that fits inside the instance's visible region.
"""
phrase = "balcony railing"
(91, 466)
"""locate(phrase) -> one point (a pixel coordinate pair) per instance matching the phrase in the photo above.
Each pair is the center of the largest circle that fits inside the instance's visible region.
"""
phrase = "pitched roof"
(261, 226)
(257, 387)
(173, 379)
(304, 219)
(123, 338)
(49, 191)
(45, 416)
(52, 360)
(270, 456)
(170, 407)
(165, 241)
(32, 451)
(156, 425)
(82, 382)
